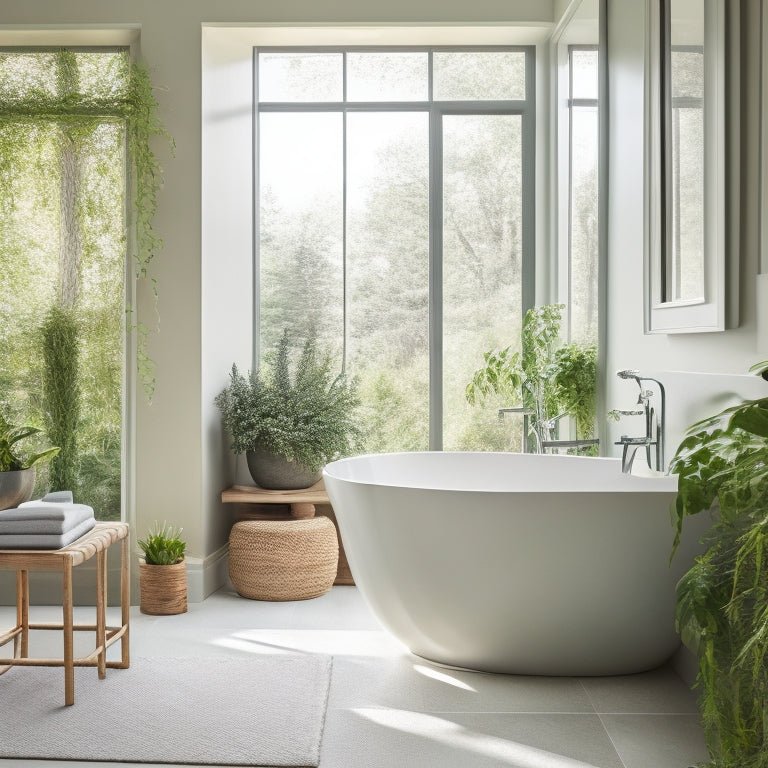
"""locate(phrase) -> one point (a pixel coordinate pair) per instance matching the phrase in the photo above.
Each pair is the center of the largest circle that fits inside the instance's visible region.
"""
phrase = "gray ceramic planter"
(276, 473)
(16, 487)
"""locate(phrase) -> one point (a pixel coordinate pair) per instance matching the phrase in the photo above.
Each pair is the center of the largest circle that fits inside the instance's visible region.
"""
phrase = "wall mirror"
(685, 166)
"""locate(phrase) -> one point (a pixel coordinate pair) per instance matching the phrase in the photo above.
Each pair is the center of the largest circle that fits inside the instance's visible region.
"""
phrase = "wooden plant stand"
(252, 503)
(96, 542)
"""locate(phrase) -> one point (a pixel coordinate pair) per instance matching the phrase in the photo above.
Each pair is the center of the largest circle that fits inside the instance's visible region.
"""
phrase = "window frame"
(575, 103)
(525, 108)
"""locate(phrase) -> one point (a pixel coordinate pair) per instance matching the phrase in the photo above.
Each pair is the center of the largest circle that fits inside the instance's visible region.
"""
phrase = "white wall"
(729, 352)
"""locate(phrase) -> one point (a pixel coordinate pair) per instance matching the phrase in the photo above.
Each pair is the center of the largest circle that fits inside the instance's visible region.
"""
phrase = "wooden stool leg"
(101, 612)
(125, 600)
(68, 624)
(21, 642)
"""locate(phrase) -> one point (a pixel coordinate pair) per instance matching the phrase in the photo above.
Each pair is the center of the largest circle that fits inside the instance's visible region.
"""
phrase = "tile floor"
(390, 708)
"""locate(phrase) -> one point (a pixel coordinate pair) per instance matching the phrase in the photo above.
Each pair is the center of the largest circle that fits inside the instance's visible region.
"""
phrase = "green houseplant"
(289, 427)
(17, 467)
(548, 379)
(722, 602)
(163, 571)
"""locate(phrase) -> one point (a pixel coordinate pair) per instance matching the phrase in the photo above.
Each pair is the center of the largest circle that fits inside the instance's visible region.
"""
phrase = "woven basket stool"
(283, 559)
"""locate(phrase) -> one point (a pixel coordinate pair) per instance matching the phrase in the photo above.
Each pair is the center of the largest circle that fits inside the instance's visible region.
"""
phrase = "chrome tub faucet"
(653, 439)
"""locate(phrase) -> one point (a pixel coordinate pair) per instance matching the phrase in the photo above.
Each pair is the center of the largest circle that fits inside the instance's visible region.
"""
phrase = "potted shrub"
(289, 427)
(17, 468)
(547, 378)
(722, 602)
(163, 571)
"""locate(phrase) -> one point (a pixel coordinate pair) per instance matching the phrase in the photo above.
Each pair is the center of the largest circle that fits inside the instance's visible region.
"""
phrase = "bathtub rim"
(642, 481)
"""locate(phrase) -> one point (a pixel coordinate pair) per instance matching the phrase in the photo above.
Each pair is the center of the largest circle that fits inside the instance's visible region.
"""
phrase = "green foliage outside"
(74, 126)
(12, 457)
(548, 380)
(722, 602)
(309, 417)
(356, 266)
(163, 545)
(61, 395)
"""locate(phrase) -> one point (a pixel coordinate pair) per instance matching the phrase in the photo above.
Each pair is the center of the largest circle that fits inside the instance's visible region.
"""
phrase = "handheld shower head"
(628, 374)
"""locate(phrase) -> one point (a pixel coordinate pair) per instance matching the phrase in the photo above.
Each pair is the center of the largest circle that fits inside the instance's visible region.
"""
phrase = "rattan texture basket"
(163, 588)
(283, 559)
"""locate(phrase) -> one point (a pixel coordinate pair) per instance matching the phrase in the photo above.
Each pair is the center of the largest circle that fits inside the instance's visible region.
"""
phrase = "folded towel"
(59, 496)
(30, 524)
(39, 510)
(45, 540)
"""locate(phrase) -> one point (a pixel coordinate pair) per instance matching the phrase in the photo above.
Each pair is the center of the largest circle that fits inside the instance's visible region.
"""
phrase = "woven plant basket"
(163, 588)
(283, 559)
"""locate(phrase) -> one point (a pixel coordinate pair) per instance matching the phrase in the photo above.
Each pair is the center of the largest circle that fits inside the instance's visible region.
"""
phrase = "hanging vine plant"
(37, 92)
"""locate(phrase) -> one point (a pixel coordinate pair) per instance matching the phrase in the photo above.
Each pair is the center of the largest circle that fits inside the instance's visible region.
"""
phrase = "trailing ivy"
(61, 394)
(30, 104)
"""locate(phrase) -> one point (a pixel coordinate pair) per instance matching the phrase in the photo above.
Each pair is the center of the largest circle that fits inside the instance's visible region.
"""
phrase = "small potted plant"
(163, 571)
(290, 427)
(17, 469)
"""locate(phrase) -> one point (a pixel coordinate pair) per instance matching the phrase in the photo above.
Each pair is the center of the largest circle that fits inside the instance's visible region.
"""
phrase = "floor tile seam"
(585, 689)
(423, 711)
(610, 739)
(649, 714)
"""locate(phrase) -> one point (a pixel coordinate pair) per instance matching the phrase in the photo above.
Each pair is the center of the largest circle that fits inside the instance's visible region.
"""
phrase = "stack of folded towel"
(48, 523)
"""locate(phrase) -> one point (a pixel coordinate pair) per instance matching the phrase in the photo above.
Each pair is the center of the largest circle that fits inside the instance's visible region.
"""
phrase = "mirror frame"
(705, 314)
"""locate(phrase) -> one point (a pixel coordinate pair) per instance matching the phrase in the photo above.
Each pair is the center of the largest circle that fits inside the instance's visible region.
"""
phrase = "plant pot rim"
(142, 561)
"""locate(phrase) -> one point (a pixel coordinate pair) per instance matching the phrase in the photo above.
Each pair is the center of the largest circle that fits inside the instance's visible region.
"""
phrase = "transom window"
(395, 221)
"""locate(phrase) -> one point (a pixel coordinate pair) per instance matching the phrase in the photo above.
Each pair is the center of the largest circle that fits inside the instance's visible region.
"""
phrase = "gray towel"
(59, 496)
(30, 524)
(45, 540)
(39, 510)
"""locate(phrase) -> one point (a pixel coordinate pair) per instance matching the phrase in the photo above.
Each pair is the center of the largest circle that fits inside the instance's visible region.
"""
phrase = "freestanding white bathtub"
(516, 563)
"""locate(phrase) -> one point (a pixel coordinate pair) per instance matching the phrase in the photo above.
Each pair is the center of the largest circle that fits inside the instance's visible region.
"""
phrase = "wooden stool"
(96, 542)
(283, 559)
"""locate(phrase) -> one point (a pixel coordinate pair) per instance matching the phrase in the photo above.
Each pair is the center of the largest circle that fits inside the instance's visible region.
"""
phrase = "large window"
(395, 221)
(62, 261)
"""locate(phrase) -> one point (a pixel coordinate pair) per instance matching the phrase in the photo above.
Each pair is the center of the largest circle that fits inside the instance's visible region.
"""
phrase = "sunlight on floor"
(442, 677)
(458, 737)
(335, 642)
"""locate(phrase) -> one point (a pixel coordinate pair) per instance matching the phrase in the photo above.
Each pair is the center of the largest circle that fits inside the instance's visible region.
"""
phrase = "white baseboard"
(206, 575)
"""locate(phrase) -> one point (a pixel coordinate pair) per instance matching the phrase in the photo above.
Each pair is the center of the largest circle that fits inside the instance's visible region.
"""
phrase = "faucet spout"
(631, 444)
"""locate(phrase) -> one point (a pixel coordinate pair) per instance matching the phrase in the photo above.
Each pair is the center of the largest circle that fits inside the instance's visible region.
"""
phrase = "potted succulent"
(722, 602)
(17, 468)
(289, 427)
(163, 571)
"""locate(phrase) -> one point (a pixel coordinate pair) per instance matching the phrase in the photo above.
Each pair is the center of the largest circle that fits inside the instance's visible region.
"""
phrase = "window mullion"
(435, 279)
(344, 298)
